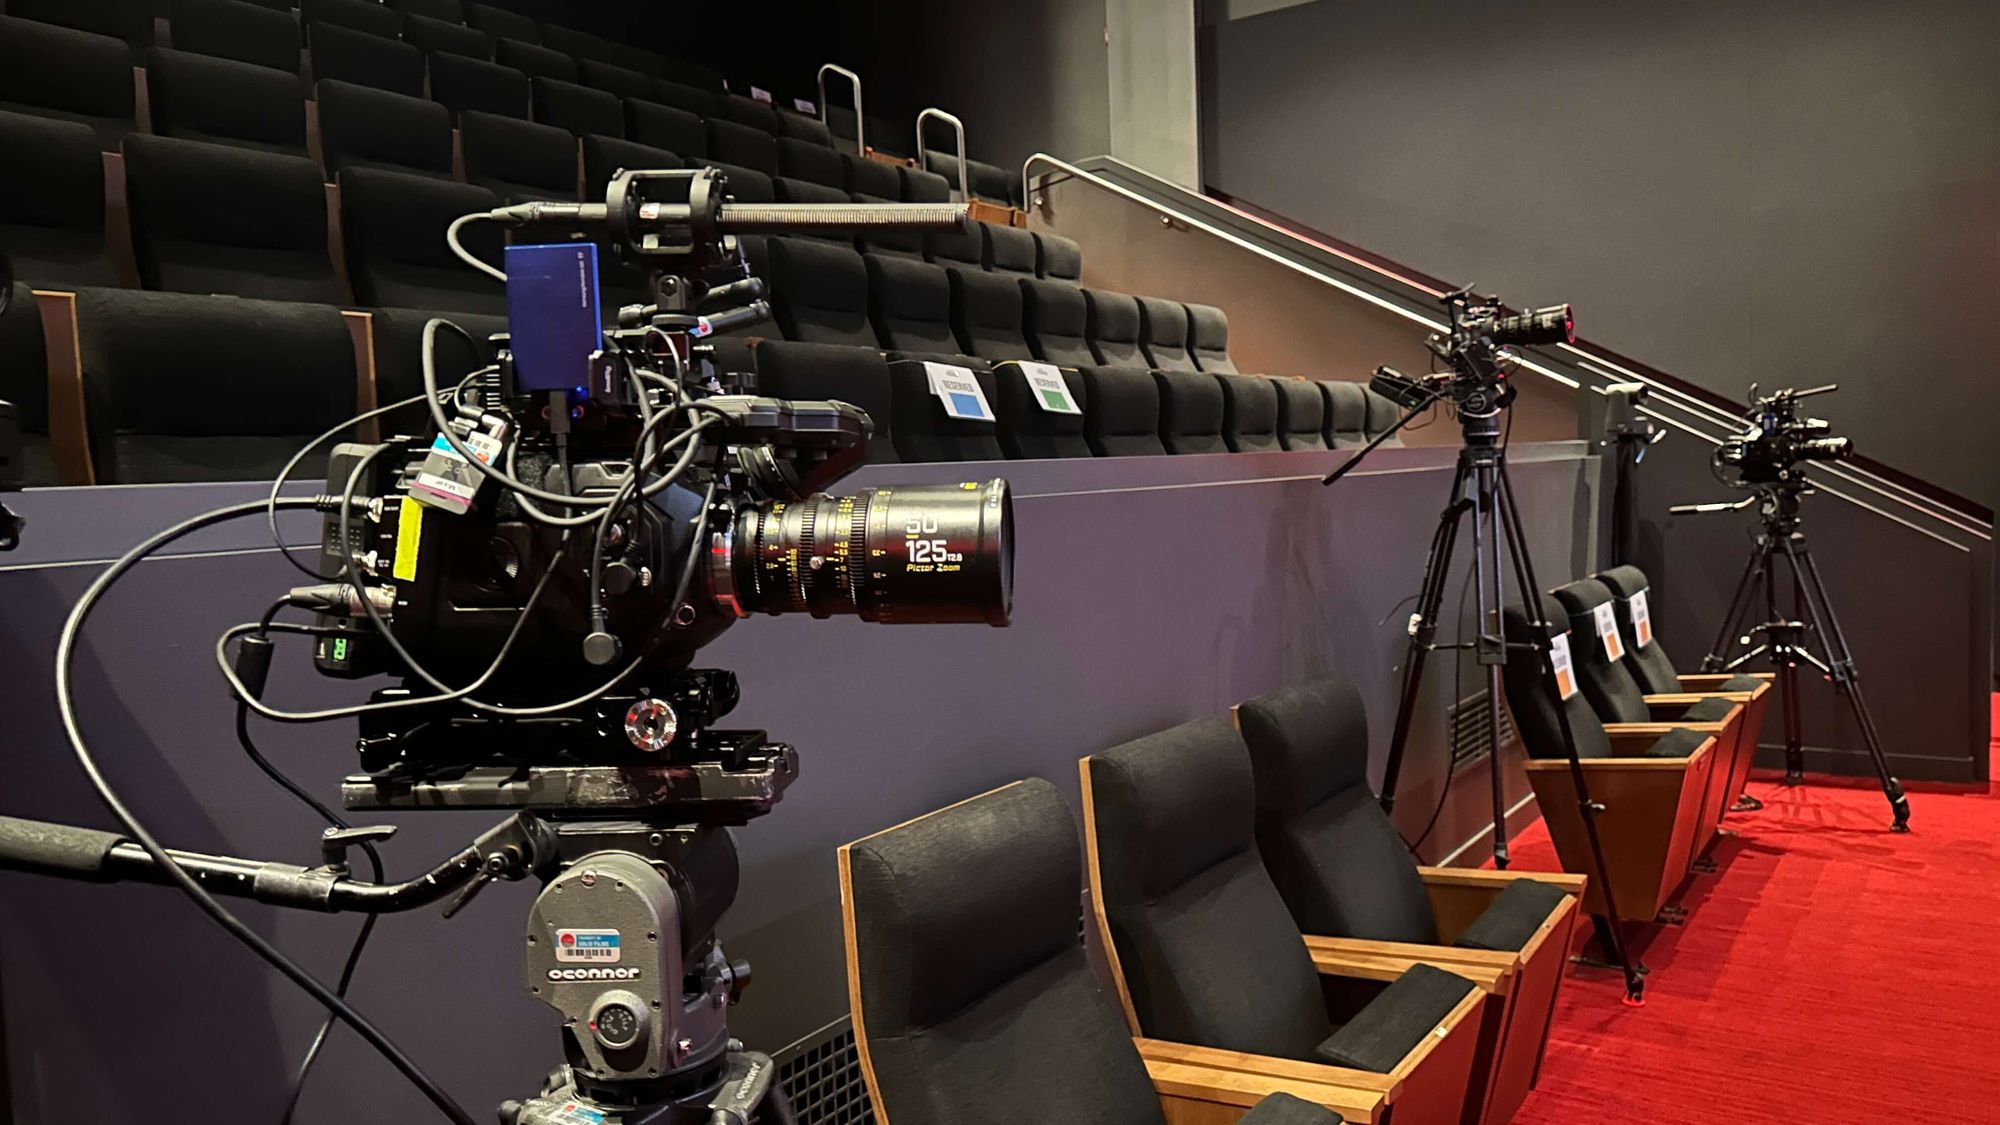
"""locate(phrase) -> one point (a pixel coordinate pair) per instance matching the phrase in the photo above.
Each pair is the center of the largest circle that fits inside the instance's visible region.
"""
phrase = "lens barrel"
(1552, 325)
(1826, 449)
(902, 555)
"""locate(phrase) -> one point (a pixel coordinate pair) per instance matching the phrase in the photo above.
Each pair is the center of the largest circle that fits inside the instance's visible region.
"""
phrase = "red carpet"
(1830, 972)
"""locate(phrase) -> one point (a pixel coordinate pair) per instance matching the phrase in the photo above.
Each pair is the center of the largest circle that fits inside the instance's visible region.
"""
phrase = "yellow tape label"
(409, 536)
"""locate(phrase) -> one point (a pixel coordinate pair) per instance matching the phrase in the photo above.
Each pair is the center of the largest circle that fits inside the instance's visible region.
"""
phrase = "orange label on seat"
(1607, 632)
(1642, 619)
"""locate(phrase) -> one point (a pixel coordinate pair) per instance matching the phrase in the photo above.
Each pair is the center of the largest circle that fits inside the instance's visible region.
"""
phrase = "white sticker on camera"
(1607, 632)
(1051, 392)
(1642, 619)
(601, 946)
(1560, 661)
(959, 392)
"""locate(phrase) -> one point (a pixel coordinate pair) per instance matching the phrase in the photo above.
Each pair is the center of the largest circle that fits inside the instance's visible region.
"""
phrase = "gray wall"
(1792, 193)
(1149, 591)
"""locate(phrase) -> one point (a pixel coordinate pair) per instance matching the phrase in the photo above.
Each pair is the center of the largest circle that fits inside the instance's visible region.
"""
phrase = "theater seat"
(699, 102)
(973, 998)
(1054, 317)
(909, 302)
(397, 337)
(52, 207)
(1191, 412)
(518, 160)
(1163, 335)
(141, 355)
(870, 177)
(1210, 959)
(393, 225)
(819, 292)
(604, 156)
(361, 127)
(1382, 416)
(130, 21)
(986, 314)
(857, 375)
(663, 126)
(919, 186)
(1058, 257)
(965, 246)
(216, 219)
(578, 110)
(1031, 426)
(1010, 250)
(745, 185)
(1301, 414)
(1650, 778)
(799, 127)
(1249, 413)
(231, 29)
(917, 419)
(1112, 324)
(747, 112)
(1352, 885)
(533, 59)
(887, 241)
(1123, 419)
(989, 182)
(447, 11)
(203, 98)
(24, 382)
(743, 146)
(503, 24)
(462, 83)
(68, 75)
(434, 36)
(805, 191)
(1208, 339)
(815, 163)
(1346, 414)
(613, 79)
(357, 15)
(364, 58)
(579, 45)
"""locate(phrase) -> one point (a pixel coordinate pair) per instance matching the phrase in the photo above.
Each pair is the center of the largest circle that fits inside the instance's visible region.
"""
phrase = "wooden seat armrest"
(1271, 1067)
(1631, 741)
(1690, 698)
(1493, 971)
(1659, 730)
(1497, 881)
(1466, 1009)
(1706, 681)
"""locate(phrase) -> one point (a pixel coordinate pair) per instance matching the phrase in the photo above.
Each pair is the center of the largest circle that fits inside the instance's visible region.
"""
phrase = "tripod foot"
(1899, 805)
(1795, 778)
(1746, 803)
(1636, 999)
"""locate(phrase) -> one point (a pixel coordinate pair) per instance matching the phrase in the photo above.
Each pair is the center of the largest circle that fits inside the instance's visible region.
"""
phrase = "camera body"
(1475, 353)
(1779, 440)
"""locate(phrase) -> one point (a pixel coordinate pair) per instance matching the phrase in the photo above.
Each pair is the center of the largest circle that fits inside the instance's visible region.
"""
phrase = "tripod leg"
(1429, 598)
(1846, 680)
(1784, 650)
(1739, 604)
(1613, 931)
(1490, 644)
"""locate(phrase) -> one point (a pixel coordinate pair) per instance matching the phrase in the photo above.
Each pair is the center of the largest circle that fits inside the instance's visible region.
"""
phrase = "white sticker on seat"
(1565, 670)
(1051, 392)
(1607, 632)
(959, 392)
(1642, 619)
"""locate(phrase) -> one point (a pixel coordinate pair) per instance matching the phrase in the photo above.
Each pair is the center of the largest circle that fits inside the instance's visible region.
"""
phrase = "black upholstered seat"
(1209, 951)
(578, 110)
(1645, 657)
(1112, 325)
(965, 246)
(1030, 426)
(398, 336)
(800, 159)
(1382, 416)
(1123, 419)
(445, 11)
(1301, 413)
(533, 59)
(986, 314)
(393, 226)
(24, 381)
(461, 83)
(922, 429)
(745, 185)
(663, 126)
(799, 127)
(234, 30)
(989, 182)
(909, 303)
(819, 292)
(503, 24)
(359, 15)
(887, 242)
(360, 127)
(579, 45)
(613, 79)
(970, 986)
(205, 98)
(1601, 669)
(1249, 413)
(52, 207)
(857, 375)
(683, 97)
(805, 191)
(919, 186)
(1535, 705)
(1191, 412)
(141, 353)
(1058, 257)
(518, 160)
(603, 156)
(434, 36)
(128, 20)
(1208, 339)
(216, 219)
(747, 112)
(1346, 414)
(1163, 329)
(362, 57)
(1010, 250)
(870, 177)
(746, 147)
(1054, 316)
(69, 75)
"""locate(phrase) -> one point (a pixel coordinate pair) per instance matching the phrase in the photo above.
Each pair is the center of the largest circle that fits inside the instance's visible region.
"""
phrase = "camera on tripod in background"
(1779, 440)
(1474, 349)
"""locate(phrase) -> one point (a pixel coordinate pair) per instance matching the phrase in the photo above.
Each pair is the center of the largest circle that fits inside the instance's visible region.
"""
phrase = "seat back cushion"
(1301, 413)
(1123, 419)
(1191, 410)
(1249, 413)
(1600, 662)
(1540, 710)
(1648, 661)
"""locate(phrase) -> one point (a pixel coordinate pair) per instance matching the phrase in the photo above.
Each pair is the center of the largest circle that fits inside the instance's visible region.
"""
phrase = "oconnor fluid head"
(536, 574)
(1779, 440)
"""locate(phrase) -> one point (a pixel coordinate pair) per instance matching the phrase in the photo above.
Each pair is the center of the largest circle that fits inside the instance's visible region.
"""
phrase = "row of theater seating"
(232, 76)
(1263, 930)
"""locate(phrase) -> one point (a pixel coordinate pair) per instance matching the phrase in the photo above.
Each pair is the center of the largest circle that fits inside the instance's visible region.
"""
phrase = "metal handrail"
(1702, 410)
(923, 158)
(860, 118)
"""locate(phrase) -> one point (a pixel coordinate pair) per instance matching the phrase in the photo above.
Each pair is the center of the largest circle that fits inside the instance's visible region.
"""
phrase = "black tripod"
(1785, 638)
(1481, 487)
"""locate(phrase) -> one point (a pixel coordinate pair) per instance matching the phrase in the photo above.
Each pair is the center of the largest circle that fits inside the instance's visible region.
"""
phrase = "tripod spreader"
(511, 849)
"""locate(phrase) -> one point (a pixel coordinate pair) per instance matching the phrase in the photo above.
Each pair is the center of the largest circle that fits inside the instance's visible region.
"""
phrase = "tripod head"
(1768, 459)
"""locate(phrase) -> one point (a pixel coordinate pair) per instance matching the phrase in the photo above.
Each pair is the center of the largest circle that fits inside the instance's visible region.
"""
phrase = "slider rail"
(1415, 301)
(860, 118)
(958, 127)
